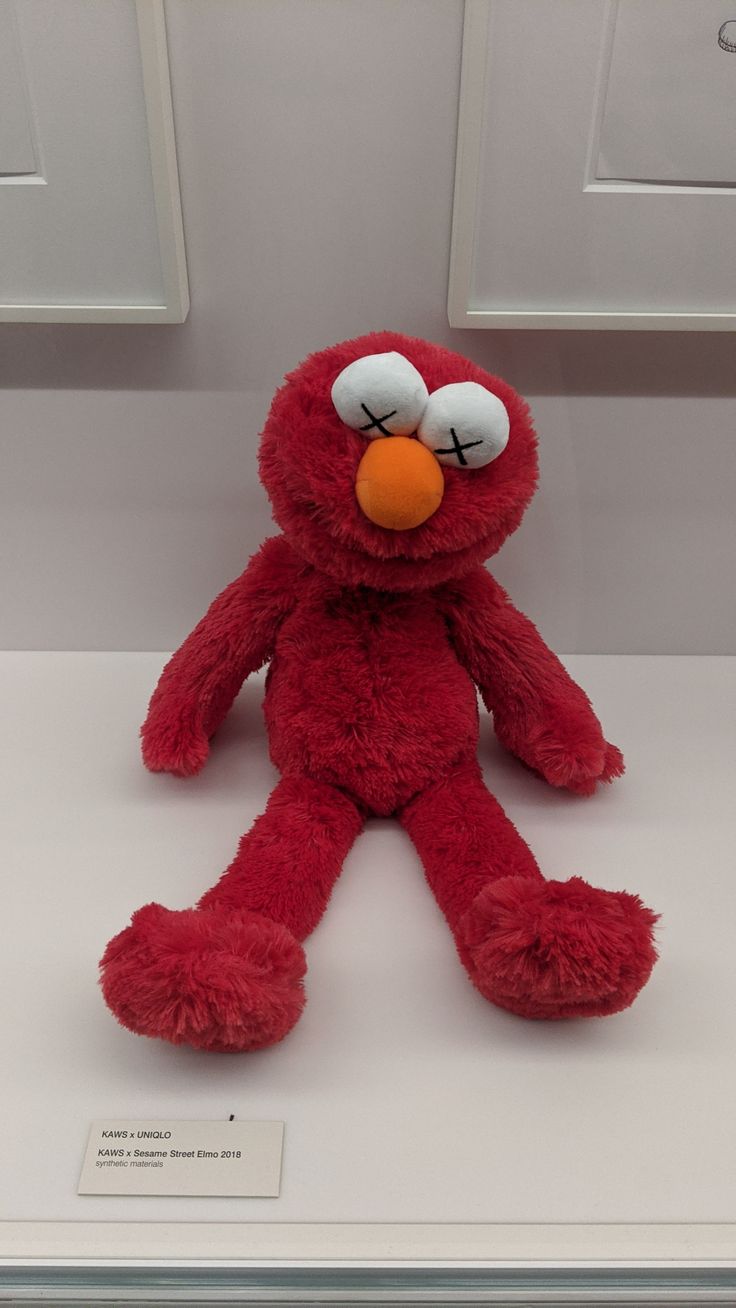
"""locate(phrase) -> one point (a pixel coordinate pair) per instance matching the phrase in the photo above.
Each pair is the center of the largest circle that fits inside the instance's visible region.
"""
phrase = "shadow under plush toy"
(394, 468)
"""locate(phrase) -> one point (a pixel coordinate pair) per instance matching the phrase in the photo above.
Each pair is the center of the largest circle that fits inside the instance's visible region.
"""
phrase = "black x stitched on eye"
(376, 422)
(457, 448)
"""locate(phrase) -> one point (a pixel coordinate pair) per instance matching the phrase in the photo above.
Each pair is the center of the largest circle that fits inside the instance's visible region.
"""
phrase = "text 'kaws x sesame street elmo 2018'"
(394, 468)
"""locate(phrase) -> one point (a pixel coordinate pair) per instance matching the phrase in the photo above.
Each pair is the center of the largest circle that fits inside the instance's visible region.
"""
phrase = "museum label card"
(183, 1158)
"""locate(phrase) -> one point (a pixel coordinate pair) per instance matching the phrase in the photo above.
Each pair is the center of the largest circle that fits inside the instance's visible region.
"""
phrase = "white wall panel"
(596, 178)
(89, 201)
(17, 150)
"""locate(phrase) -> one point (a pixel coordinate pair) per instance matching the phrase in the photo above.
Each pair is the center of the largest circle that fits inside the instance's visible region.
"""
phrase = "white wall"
(316, 148)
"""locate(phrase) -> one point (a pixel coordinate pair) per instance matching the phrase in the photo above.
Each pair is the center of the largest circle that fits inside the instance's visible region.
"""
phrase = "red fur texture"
(377, 641)
(224, 982)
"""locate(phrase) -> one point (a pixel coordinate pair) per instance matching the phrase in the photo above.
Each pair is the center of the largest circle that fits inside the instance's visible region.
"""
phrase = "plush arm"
(539, 713)
(235, 637)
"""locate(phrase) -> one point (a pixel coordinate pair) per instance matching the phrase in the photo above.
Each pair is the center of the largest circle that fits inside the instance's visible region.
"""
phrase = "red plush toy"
(395, 468)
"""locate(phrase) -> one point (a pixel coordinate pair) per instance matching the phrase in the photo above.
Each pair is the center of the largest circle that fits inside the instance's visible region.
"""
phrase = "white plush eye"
(380, 395)
(464, 425)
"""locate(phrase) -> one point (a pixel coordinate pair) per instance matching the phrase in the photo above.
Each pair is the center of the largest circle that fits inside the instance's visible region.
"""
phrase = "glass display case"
(436, 1149)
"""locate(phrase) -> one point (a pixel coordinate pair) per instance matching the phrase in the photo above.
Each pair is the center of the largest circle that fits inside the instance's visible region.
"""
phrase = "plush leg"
(228, 974)
(542, 949)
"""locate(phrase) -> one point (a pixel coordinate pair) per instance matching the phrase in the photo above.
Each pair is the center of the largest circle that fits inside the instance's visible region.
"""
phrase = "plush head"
(397, 464)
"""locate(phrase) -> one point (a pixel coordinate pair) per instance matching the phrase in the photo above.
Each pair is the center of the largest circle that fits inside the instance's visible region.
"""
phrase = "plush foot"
(226, 982)
(553, 949)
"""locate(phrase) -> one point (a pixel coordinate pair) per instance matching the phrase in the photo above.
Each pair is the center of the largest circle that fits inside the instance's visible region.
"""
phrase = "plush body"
(376, 639)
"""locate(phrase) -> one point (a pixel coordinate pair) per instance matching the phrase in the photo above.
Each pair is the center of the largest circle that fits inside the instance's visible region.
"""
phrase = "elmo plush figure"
(394, 468)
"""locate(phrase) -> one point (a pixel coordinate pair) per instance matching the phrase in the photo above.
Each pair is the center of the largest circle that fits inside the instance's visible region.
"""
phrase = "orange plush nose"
(399, 483)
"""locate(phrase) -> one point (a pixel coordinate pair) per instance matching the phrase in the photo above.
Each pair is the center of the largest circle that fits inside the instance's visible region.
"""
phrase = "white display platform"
(421, 1122)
